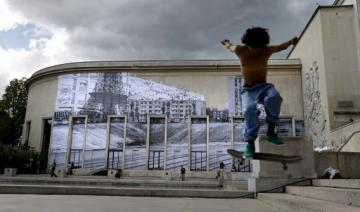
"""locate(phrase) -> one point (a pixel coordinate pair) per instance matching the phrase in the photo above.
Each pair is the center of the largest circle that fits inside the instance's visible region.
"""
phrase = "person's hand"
(225, 42)
(295, 40)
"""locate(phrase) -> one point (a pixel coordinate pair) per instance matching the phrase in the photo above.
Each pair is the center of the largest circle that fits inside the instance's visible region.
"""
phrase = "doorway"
(45, 144)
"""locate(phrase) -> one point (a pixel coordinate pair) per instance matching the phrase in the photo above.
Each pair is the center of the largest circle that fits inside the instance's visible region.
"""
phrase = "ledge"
(154, 66)
(311, 19)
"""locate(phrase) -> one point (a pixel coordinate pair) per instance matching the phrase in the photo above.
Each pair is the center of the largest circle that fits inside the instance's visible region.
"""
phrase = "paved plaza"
(69, 203)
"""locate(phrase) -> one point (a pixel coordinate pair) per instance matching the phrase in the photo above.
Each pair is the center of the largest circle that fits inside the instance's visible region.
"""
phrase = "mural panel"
(135, 150)
(116, 143)
(219, 141)
(198, 144)
(156, 143)
(177, 146)
(95, 145)
(98, 95)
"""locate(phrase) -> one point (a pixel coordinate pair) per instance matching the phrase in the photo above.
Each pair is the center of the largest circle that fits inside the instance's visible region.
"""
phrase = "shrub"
(24, 158)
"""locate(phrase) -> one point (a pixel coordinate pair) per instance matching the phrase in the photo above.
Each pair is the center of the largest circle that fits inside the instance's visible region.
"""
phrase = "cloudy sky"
(38, 33)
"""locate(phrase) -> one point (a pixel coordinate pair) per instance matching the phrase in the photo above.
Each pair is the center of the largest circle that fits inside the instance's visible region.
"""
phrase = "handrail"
(283, 186)
(347, 140)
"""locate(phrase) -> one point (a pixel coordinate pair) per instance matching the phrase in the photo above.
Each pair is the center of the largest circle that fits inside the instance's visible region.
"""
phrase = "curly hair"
(256, 37)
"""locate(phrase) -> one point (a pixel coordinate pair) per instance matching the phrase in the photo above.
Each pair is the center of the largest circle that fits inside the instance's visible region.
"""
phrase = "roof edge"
(338, 2)
(149, 65)
(311, 19)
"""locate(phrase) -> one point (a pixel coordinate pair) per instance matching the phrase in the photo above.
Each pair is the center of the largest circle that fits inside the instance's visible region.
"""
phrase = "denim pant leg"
(251, 114)
(272, 104)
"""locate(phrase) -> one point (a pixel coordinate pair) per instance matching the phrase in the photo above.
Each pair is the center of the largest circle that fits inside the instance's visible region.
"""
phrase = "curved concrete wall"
(40, 105)
(209, 78)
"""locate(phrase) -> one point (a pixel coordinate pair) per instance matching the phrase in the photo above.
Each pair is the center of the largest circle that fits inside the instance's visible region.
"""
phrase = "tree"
(12, 111)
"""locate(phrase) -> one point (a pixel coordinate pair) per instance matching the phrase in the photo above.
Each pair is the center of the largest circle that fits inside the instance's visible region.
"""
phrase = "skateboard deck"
(284, 160)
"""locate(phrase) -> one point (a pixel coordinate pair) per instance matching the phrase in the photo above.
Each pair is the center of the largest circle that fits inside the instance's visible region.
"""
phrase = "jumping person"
(254, 55)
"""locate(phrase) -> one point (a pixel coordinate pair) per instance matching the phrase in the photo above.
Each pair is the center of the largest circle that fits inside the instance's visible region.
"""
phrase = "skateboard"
(284, 160)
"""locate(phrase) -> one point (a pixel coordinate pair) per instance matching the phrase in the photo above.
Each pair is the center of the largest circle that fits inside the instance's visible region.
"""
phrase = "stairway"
(324, 195)
(127, 186)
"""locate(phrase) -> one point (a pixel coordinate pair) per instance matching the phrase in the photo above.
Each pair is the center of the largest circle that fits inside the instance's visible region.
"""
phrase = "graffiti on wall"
(314, 114)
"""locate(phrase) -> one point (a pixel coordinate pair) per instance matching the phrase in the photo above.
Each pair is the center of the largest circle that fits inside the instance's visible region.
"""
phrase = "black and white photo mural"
(123, 120)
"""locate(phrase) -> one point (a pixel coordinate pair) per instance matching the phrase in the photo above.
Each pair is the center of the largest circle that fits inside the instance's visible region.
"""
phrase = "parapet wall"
(346, 138)
(345, 162)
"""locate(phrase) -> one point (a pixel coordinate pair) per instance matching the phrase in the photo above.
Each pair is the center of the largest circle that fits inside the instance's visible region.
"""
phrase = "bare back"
(254, 61)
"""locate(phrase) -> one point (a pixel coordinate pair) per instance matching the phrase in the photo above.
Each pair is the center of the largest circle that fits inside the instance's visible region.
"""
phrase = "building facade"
(328, 50)
(141, 115)
(149, 115)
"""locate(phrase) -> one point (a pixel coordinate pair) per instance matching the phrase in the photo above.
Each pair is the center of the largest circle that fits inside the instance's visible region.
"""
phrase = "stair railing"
(282, 187)
(347, 140)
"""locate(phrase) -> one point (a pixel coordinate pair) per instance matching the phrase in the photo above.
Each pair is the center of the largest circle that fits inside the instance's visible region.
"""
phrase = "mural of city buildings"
(98, 95)
(101, 94)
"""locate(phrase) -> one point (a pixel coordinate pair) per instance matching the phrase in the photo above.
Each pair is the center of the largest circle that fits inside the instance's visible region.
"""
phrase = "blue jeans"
(266, 94)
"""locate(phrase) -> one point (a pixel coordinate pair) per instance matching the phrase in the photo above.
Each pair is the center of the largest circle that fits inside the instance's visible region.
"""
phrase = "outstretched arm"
(229, 45)
(284, 46)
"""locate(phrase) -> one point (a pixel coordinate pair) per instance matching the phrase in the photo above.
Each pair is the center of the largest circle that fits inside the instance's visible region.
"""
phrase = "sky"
(35, 34)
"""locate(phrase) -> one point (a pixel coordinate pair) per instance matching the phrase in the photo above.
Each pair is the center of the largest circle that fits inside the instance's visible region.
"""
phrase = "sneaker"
(249, 150)
(274, 139)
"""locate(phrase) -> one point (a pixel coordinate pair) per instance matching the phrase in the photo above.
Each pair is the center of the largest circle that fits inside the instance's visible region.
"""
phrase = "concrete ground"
(69, 203)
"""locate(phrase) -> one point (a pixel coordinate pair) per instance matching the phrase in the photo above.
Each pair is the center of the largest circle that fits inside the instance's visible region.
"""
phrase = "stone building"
(192, 98)
(329, 52)
(71, 106)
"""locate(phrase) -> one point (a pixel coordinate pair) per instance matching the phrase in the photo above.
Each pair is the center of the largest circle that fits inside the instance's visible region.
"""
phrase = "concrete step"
(345, 196)
(288, 202)
(337, 183)
(293, 146)
(235, 185)
(111, 182)
(124, 191)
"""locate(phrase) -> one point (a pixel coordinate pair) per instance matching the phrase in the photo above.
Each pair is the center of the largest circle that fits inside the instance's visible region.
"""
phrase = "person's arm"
(229, 45)
(284, 46)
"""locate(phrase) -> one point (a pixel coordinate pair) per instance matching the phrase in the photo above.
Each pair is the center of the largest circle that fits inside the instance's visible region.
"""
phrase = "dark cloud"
(159, 29)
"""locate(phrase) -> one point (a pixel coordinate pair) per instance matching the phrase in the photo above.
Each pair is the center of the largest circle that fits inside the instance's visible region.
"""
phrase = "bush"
(24, 158)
